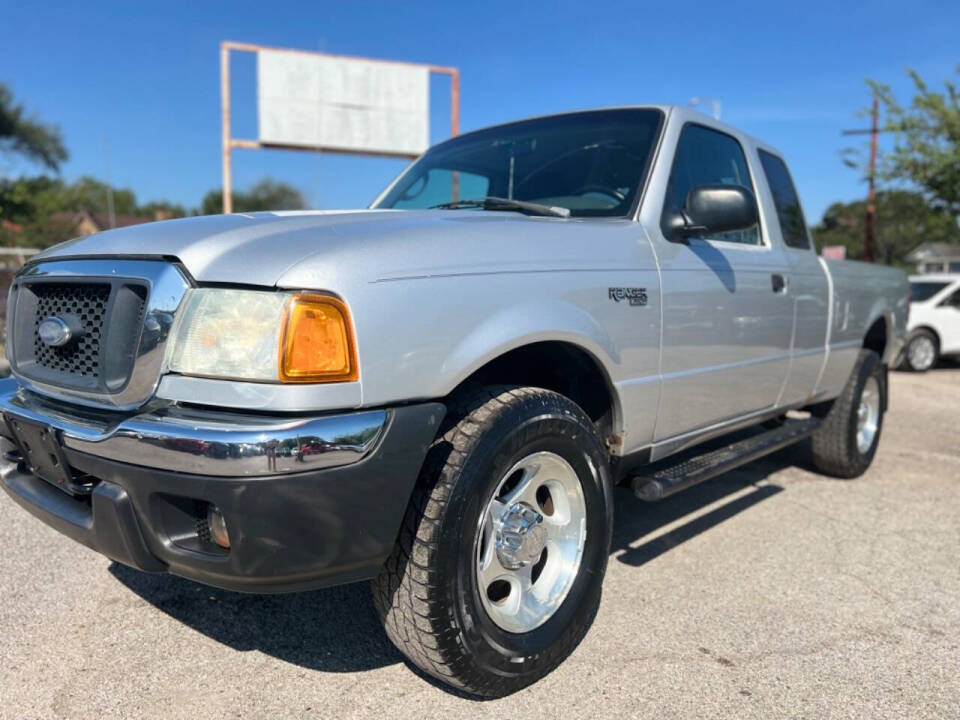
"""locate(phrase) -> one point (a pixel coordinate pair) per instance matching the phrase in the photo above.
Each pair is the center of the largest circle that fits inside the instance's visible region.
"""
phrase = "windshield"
(592, 163)
(923, 291)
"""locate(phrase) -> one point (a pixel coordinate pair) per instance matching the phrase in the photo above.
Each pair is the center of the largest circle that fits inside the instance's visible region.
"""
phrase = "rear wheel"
(846, 441)
(921, 352)
(496, 574)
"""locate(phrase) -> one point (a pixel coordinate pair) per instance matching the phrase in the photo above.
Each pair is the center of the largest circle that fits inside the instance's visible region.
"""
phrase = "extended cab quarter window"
(708, 157)
(789, 214)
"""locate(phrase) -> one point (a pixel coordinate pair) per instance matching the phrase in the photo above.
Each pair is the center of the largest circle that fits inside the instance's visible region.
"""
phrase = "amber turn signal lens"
(317, 341)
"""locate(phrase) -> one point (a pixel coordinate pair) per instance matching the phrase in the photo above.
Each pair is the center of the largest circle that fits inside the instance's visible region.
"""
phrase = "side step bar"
(664, 478)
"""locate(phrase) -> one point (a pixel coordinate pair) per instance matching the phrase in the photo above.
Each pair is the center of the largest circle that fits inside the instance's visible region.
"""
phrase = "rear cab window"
(793, 229)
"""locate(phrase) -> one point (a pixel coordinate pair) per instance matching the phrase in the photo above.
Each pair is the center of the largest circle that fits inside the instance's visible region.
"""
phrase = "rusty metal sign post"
(229, 143)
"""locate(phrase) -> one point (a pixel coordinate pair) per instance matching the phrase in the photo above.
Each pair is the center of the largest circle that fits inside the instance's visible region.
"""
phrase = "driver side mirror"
(712, 209)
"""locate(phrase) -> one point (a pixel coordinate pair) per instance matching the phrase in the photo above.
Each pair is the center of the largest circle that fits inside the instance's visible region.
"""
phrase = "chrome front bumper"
(307, 502)
(203, 442)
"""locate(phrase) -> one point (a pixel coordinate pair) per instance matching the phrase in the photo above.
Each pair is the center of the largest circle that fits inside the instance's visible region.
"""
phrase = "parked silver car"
(440, 392)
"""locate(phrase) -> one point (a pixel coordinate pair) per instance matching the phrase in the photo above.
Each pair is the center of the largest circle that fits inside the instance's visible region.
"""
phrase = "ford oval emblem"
(54, 332)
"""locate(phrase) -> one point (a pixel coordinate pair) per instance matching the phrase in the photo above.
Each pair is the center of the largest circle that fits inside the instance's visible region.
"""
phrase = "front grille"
(106, 317)
(86, 301)
(119, 312)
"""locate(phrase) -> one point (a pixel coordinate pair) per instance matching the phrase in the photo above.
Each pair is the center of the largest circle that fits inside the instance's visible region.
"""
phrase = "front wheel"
(497, 572)
(847, 439)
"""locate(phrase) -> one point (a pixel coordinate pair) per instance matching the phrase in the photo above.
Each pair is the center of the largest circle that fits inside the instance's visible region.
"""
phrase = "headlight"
(264, 336)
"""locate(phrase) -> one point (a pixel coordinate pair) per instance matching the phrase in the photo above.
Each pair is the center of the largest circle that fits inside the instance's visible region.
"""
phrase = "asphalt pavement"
(769, 592)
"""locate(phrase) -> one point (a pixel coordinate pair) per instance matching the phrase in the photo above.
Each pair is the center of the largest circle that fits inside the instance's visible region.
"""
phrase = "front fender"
(528, 323)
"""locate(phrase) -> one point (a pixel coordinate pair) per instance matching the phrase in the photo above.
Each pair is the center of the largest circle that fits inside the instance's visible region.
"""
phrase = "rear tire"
(846, 441)
(922, 351)
(428, 592)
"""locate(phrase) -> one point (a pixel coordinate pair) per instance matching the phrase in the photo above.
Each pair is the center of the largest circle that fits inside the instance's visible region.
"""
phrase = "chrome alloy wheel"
(922, 353)
(868, 415)
(529, 542)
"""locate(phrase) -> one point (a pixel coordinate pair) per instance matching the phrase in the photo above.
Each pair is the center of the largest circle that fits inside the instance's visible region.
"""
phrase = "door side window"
(708, 157)
(793, 229)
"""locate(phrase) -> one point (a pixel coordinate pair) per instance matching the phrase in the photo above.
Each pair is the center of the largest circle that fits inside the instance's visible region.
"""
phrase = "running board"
(666, 477)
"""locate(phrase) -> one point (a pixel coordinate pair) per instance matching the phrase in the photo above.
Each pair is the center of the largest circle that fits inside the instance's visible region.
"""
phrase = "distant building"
(936, 257)
(67, 224)
(82, 222)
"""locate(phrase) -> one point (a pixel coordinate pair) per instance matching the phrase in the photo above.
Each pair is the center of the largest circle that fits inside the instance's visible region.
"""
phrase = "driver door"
(727, 308)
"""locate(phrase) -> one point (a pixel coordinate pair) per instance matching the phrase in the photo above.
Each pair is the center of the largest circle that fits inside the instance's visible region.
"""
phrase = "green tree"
(90, 194)
(904, 220)
(41, 210)
(265, 195)
(32, 199)
(27, 136)
(926, 151)
(24, 199)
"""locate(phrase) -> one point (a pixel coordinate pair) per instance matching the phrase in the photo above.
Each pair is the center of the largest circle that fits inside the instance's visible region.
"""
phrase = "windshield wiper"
(499, 203)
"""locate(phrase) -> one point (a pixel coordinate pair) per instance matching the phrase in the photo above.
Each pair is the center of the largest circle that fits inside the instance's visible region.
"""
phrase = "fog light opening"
(218, 527)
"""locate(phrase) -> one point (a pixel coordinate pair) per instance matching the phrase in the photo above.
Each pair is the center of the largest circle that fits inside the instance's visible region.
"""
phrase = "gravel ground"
(768, 592)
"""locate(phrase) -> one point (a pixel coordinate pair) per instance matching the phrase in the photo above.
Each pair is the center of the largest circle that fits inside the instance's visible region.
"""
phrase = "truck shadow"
(637, 520)
(337, 630)
(332, 630)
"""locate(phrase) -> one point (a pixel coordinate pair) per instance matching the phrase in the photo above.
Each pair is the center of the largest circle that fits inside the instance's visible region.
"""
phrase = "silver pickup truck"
(439, 393)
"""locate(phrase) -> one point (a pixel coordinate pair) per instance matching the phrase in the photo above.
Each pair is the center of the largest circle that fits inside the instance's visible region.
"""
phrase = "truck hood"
(308, 248)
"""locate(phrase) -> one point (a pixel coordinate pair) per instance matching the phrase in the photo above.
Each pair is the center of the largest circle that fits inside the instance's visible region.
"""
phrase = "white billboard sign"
(321, 101)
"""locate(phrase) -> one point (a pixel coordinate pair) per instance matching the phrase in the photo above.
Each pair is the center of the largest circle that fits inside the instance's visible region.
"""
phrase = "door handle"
(779, 283)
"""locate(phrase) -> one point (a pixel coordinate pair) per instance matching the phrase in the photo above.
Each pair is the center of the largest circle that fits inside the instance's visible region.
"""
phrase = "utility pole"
(111, 214)
(872, 192)
(871, 178)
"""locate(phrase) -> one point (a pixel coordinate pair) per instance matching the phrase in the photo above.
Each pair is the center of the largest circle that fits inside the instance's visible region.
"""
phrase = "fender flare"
(528, 323)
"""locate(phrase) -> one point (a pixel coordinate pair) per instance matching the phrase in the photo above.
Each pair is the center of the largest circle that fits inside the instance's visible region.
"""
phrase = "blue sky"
(143, 77)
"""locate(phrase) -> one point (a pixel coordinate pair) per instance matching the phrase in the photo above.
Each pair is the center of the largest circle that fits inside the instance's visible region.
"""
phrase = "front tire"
(525, 465)
(921, 351)
(846, 441)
